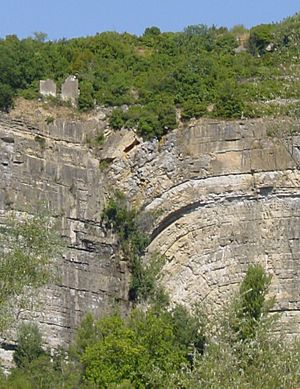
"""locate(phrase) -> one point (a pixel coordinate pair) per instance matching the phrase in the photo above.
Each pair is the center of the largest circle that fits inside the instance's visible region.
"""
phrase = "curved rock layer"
(209, 248)
(227, 195)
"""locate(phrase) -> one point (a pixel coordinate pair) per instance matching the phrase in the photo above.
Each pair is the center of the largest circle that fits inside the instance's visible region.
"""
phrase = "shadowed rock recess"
(227, 195)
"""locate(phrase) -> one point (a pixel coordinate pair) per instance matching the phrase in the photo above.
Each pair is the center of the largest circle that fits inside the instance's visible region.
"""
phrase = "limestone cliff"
(53, 165)
(227, 194)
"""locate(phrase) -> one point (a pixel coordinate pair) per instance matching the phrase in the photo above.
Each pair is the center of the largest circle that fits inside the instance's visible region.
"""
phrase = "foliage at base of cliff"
(168, 348)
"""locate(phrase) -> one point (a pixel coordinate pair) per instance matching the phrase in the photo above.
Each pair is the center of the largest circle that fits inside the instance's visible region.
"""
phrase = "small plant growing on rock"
(124, 220)
(49, 119)
(41, 141)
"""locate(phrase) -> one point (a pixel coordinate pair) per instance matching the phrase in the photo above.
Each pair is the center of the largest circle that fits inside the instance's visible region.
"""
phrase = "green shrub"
(49, 120)
(117, 119)
(193, 109)
(152, 120)
(129, 226)
(29, 345)
(229, 103)
(260, 37)
(6, 97)
(140, 350)
(251, 305)
(86, 99)
(41, 141)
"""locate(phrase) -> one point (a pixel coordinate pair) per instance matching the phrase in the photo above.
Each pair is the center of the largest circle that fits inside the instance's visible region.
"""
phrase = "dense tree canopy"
(192, 70)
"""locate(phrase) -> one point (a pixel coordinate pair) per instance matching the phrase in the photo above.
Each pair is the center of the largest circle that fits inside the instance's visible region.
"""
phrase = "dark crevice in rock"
(174, 216)
(8, 139)
(8, 346)
(181, 212)
(131, 146)
(265, 192)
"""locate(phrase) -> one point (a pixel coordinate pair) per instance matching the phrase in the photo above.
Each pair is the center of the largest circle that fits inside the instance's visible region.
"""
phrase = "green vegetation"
(28, 249)
(252, 306)
(147, 78)
(260, 37)
(29, 345)
(41, 141)
(49, 120)
(152, 119)
(131, 227)
(167, 348)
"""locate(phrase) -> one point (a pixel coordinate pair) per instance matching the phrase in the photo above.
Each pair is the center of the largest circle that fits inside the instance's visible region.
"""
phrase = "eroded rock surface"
(227, 195)
(54, 166)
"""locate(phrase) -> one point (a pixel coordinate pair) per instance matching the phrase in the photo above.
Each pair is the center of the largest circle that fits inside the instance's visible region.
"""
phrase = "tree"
(141, 350)
(152, 31)
(251, 305)
(29, 345)
(6, 97)
(117, 119)
(260, 37)
(40, 36)
(86, 100)
(229, 102)
(29, 247)
(250, 353)
(188, 328)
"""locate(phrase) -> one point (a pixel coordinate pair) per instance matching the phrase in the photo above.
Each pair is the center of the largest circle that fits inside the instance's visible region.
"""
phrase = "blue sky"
(69, 18)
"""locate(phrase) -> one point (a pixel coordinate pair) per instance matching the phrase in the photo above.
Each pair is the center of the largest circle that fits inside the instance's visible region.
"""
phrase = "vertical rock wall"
(227, 195)
(53, 166)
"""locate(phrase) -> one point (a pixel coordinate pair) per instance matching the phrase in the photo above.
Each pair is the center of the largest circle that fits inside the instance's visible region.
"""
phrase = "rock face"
(53, 165)
(227, 195)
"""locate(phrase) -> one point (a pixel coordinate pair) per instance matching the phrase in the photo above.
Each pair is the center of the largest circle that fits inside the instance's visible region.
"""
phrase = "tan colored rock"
(227, 194)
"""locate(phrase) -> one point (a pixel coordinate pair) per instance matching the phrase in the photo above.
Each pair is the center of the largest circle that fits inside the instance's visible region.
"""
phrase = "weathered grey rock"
(48, 88)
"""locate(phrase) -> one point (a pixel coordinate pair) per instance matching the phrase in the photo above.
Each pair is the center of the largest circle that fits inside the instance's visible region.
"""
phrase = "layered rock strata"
(53, 166)
(226, 194)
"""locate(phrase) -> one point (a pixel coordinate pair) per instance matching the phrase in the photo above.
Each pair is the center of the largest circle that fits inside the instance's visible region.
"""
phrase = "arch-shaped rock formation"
(225, 192)
(227, 195)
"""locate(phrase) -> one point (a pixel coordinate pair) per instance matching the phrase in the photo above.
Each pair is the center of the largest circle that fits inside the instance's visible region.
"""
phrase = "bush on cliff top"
(158, 72)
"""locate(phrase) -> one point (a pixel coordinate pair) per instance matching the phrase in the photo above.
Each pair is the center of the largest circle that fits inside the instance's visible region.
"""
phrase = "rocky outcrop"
(52, 165)
(227, 195)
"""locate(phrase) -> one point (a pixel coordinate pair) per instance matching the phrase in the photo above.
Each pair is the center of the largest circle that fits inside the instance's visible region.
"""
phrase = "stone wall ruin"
(69, 89)
(47, 88)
